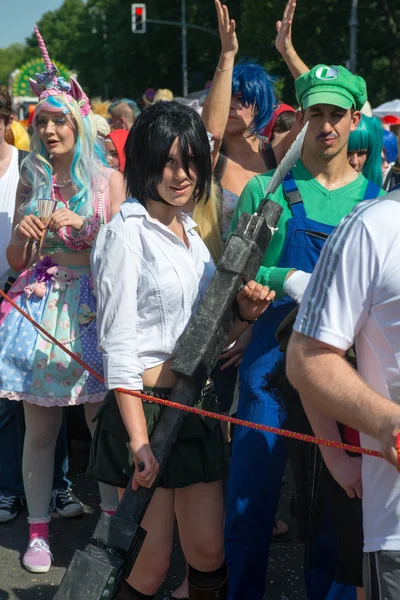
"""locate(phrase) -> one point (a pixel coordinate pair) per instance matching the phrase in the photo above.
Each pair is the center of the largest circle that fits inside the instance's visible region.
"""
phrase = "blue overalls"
(258, 458)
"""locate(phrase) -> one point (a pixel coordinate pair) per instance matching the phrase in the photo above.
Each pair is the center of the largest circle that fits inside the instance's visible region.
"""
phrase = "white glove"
(296, 285)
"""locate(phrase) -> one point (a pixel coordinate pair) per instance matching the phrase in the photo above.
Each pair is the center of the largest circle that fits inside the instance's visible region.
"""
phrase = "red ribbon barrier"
(205, 413)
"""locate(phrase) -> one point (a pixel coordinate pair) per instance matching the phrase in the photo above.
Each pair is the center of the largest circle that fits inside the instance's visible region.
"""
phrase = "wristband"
(296, 285)
(16, 240)
(223, 70)
(243, 319)
(237, 314)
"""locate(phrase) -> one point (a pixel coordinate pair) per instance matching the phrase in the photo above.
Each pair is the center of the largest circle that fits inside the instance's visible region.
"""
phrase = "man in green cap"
(320, 190)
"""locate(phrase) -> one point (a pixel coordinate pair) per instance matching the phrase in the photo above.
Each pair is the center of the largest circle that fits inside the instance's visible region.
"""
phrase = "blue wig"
(257, 89)
(391, 146)
(369, 136)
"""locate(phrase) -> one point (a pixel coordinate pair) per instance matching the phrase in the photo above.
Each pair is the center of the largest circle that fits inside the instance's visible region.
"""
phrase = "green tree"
(10, 58)
(94, 38)
(321, 35)
(134, 61)
(60, 31)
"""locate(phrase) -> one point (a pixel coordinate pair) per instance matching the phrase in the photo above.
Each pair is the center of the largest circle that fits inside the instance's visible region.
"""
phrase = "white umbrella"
(391, 108)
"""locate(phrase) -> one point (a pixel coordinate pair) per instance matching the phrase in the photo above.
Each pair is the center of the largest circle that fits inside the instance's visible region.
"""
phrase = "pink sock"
(110, 512)
(39, 530)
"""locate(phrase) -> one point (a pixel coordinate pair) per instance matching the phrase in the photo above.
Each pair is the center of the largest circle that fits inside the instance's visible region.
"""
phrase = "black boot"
(127, 592)
(208, 585)
(219, 592)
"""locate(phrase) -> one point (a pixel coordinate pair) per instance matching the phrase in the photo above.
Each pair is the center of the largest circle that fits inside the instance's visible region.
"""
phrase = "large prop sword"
(95, 573)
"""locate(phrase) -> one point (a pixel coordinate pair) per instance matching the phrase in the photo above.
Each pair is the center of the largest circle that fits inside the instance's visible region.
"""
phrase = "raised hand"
(227, 30)
(283, 41)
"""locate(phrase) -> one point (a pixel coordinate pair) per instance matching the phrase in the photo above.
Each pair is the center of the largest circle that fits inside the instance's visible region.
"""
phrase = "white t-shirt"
(8, 191)
(354, 296)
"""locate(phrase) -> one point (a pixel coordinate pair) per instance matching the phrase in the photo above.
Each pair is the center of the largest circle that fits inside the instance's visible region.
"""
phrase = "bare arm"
(321, 374)
(131, 409)
(282, 145)
(346, 470)
(117, 192)
(253, 300)
(21, 248)
(284, 43)
(216, 107)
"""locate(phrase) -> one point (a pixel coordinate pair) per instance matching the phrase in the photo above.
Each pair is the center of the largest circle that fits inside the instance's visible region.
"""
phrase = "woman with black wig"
(151, 270)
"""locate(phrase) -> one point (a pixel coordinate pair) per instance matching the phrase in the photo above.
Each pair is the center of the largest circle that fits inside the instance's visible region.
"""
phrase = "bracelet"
(223, 70)
(78, 234)
(18, 241)
(244, 320)
(18, 244)
(88, 231)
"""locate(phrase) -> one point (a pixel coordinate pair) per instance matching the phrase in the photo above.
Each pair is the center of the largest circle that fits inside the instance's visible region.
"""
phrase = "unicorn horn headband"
(48, 84)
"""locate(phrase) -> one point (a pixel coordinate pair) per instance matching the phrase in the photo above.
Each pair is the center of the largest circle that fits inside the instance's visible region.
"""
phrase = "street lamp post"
(184, 25)
(353, 24)
(184, 51)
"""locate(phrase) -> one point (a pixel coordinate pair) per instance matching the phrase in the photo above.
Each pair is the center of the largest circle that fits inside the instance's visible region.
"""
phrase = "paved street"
(284, 581)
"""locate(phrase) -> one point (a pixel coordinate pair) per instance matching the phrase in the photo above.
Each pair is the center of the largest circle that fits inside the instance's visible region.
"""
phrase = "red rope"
(205, 413)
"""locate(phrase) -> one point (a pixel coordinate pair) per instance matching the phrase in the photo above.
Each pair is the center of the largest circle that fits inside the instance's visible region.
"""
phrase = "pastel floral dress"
(34, 369)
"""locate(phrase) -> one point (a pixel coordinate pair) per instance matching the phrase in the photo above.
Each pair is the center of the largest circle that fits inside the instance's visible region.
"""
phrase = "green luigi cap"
(331, 85)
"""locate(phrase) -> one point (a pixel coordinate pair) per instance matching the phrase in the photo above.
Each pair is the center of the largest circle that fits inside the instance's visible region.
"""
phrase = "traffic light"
(139, 18)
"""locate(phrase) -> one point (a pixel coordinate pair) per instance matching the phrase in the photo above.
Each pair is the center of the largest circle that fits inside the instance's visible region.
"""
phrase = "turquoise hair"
(369, 136)
(86, 162)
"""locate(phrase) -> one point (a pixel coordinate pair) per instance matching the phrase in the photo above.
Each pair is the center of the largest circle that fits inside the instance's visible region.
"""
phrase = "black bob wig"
(148, 145)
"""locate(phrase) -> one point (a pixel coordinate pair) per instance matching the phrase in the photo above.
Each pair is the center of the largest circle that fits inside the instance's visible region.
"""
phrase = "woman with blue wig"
(238, 107)
(365, 149)
(236, 111)
(64, 195)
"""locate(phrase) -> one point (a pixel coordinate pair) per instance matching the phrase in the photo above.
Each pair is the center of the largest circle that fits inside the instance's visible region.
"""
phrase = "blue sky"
(19, 16)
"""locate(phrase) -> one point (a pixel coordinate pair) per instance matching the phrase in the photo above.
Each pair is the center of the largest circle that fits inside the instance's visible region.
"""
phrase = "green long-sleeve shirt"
(321, 204)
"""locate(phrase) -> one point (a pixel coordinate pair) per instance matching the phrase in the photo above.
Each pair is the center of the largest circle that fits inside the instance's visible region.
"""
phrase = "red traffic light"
(139, 18)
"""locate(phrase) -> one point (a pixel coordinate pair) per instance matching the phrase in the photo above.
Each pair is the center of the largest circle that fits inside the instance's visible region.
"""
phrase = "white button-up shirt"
(148, 283)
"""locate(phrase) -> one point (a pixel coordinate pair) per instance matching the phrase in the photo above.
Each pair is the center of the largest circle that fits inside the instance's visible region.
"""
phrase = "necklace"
(64, 184)
(85, 238)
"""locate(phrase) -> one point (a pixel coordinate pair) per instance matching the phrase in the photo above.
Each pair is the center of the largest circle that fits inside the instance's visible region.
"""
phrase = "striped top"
(354, 297)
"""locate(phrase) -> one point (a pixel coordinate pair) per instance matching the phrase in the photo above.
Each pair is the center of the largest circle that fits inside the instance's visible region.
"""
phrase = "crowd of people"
(113, 217)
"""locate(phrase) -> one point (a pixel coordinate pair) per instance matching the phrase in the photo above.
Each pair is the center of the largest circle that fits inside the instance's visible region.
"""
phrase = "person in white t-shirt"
(9, 176)
(354, 297)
